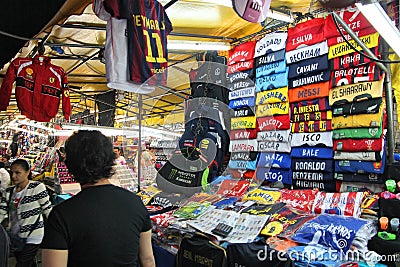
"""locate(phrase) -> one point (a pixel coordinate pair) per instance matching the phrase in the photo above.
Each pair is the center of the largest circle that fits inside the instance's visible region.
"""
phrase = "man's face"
(116, 151)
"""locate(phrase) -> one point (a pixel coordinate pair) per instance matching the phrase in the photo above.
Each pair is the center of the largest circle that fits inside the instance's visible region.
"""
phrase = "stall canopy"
(74, 38)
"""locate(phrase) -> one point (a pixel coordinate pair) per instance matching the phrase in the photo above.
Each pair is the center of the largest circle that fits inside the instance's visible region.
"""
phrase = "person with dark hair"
(119, 158)
(24, 203)
(103, 225)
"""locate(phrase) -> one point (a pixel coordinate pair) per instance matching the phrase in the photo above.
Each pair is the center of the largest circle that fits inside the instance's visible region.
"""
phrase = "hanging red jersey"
(39, 87)
(351, 16)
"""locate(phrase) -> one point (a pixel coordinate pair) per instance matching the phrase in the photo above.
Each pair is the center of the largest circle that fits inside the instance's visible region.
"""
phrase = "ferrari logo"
(51, 79)
(29, 71)
(66, 93)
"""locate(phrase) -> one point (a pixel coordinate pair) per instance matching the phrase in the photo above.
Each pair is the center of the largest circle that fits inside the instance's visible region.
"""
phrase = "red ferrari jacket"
(39, 87)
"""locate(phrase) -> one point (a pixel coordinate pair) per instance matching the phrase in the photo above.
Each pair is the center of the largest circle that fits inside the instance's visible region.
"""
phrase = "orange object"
(384, 223)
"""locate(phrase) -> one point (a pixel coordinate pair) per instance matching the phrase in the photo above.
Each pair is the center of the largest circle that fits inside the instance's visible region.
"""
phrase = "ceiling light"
(382, 23)
(197, 46)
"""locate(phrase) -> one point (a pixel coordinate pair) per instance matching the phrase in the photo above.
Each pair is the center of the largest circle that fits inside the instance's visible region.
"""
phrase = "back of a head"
(89, 156)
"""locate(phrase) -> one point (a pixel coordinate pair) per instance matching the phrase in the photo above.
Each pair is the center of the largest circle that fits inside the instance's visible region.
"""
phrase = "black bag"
(4, 247)
(256, 254)
(17, 243)
(199, 251)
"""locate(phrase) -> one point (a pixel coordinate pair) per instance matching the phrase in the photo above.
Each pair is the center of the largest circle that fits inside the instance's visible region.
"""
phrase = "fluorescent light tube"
(273, 14)
(197, 46)
(382, 23)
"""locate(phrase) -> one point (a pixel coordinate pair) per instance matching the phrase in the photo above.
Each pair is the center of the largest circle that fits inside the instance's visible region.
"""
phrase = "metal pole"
(388, 86)
(139, 154)
(357, 40)
(389, 107)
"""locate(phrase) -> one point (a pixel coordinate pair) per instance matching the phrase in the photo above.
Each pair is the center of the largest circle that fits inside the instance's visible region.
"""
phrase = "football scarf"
(359, 177)
(271, 42)
(308, 66)
(312, 176)
(242, 52)
(240, 66)
(311, 126)
(242, 93)
(312, 165)
(362, 107)
(347, 204)
(243, 164)
(358, 187)
(277, 136)
(351, 16)
(339, 39)
(243, 134)
(272, 81)
(312, 105)
(328, 186)
(284, 223)
(270, 57)
(271, 146)
(273, 175)
(262, 196)
(306, 33)
(299, 199)
(243, 123)
(312, 152)
(280, 108)
(242, 102)
(275, 160)
(318, 77)
(272, 96)
(242, 112)
(315, 116)
(342, 49)
(307, 52)
(240, 84)
(312, 139)
(281, 122)
(358, 145)
(368, 72)
(365, 155)
(351, 60)
(242, 174)
(355, 92)
(308, 92)
(360, 133)
(339, 231)
(271, 68)
(239, 76)
(358, 120)
(243, 145)
(358, 166)
(244, 156)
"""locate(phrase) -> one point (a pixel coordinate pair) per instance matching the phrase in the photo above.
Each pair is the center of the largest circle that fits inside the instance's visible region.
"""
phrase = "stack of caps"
(356, 99)
(243, 135)
(272, 109)
(307, 57)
